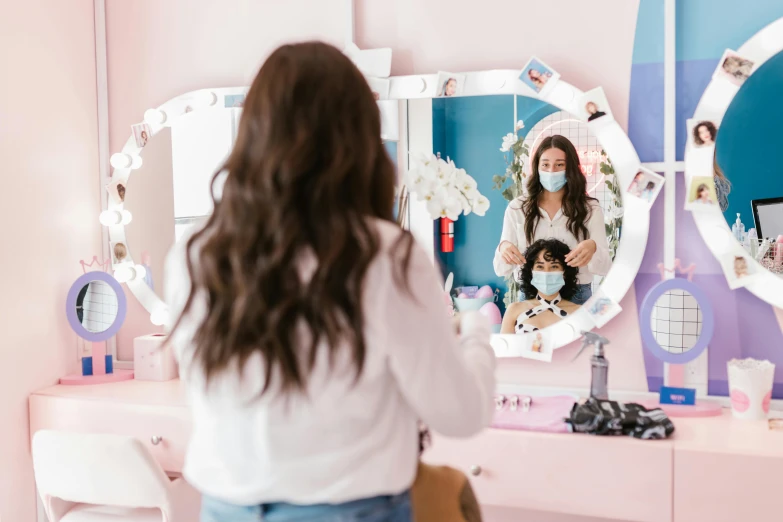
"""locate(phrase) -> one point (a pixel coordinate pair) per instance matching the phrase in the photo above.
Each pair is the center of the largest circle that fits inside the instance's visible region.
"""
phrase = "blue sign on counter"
(684, 396)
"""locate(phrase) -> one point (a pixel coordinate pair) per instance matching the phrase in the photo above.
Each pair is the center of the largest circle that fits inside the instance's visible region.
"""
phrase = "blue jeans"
(583, 293)
(395, 508)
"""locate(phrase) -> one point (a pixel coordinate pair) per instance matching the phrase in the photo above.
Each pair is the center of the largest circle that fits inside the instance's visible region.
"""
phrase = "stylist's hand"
(582, 254)
(511, 254)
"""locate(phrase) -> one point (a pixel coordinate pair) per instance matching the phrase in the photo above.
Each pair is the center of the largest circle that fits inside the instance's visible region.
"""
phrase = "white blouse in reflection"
(556, 228)
(344, 438)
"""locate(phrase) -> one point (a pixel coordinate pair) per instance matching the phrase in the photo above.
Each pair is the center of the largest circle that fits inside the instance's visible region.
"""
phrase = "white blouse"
(514, 233)
(344, 438)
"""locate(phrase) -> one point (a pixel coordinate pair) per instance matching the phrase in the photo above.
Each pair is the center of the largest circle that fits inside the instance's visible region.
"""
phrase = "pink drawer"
(607, 477)
(723, 487)
(172, 424)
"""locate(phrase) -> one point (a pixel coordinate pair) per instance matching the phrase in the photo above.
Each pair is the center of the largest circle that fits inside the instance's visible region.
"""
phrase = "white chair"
(100, 478)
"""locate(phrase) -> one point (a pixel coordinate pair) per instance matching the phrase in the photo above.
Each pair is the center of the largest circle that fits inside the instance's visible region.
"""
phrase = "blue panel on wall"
(648, 41)
(469, 130)
(749, 139)
(645, 111)
(705, 28)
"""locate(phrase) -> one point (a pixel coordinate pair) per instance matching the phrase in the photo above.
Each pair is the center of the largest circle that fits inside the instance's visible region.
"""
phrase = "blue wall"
(750, 139)
(705, 28)
(469, 131)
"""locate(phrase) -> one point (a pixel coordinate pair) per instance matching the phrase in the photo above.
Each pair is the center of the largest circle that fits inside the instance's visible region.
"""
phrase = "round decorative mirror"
(96, 306)
(734, 127)
(676, 321)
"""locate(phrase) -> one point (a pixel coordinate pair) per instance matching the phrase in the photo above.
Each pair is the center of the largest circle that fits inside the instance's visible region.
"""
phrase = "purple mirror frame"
(70, 307)
(707, 327)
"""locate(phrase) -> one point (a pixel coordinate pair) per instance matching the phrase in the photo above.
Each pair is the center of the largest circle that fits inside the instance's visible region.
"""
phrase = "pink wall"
(49, 209)
(158, 50)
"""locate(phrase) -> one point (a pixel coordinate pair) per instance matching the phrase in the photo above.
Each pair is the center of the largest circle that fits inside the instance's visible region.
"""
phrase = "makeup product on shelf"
(738, 230)
(752, 243)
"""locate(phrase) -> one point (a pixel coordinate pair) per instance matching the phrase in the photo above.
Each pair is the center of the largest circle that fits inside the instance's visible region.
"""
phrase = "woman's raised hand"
(582, 254)
(511, 254)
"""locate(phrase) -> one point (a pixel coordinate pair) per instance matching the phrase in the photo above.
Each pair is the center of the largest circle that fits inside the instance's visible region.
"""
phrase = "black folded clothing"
(598, 417)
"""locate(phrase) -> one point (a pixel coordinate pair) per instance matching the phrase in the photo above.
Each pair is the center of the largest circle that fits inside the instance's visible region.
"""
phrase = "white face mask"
(552, 181)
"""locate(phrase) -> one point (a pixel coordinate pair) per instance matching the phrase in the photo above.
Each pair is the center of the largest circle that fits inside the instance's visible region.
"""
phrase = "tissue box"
(151, 361)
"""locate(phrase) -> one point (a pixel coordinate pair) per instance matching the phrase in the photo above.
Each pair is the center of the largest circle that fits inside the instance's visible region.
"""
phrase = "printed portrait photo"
(116, 190)
(739, 268)
(602, 308)
(141, 133)
(234, 101)
(594, 107)
(538, 76)
(734, 68)
(701, 194)
(702, 133)
(450, 84)
(119, 253)
(646, 185)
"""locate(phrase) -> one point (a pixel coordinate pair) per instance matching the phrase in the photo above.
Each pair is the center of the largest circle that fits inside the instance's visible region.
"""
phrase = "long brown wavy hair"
(306, 177)
(576, 203)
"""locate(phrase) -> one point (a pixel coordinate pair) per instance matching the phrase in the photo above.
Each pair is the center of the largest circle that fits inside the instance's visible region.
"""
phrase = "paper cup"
(750, 388)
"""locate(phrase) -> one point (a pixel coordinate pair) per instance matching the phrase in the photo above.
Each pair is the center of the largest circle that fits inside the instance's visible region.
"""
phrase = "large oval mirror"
(473, 132)
(750, 187)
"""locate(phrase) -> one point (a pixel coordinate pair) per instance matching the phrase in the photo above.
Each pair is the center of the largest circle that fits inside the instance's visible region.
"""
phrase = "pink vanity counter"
(713, 469)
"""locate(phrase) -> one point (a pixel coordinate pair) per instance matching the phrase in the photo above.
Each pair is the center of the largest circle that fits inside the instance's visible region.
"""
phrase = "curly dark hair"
(555, 250)
(710, 128)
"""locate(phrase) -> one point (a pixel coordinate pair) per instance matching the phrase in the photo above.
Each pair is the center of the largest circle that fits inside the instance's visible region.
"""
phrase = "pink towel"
(546, 414)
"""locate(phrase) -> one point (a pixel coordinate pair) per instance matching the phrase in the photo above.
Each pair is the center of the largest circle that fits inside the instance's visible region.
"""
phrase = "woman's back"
(307, 358)
(343, 438)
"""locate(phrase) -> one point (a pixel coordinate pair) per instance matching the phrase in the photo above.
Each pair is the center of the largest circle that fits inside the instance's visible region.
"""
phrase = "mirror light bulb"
(155, 116)
(110, 218)
(126, 273)
(121, 160)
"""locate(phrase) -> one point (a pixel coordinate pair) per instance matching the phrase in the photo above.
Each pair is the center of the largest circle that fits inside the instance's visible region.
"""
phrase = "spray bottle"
(599, 384)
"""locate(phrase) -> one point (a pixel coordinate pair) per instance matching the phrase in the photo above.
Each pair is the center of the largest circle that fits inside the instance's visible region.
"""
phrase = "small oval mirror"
(96, 306)
(676, 321)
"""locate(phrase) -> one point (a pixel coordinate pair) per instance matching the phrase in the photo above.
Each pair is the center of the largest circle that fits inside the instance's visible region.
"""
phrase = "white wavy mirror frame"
(699, 162)
(498, 82)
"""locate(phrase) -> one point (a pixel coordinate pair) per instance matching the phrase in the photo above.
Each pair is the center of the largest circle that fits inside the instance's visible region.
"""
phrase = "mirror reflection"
(676, 321)
(96, 306)
(555, 215)
(748, 181)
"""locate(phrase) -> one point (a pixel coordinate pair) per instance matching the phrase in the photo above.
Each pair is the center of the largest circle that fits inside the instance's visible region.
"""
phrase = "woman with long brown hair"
(309, 328)
(556, 206)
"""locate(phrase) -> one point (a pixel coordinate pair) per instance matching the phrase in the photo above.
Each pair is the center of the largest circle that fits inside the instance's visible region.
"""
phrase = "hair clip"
(514, 403)
(500, 401)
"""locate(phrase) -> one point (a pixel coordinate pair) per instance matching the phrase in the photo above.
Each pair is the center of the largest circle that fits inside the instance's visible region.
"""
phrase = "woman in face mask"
(556, 206)
(548, 284)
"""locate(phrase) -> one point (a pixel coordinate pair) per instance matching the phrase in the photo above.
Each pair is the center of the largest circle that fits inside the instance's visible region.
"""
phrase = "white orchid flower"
(618, 212)
(444, 209)
(508, 141)
(481, 205)
(433, 192)
(520, 125)
(423, 159)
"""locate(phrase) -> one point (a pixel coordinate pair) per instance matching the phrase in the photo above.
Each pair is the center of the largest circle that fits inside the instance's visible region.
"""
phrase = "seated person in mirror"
(556, 206)
(548, 284)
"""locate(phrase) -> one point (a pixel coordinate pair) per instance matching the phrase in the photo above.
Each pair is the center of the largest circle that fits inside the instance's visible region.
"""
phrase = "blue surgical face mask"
(552, 181)
(548, 283)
